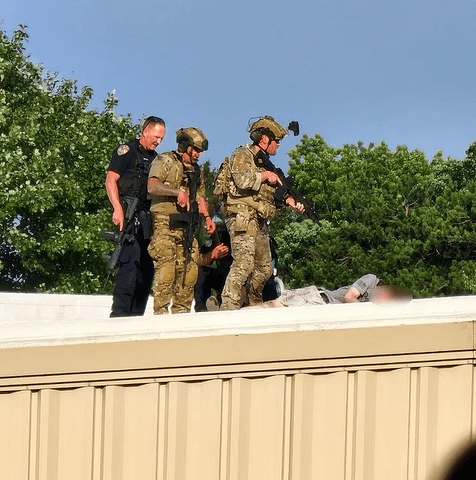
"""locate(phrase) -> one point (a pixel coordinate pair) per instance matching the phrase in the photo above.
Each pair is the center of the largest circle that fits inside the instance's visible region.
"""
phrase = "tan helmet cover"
(269, 123)
(192, 136)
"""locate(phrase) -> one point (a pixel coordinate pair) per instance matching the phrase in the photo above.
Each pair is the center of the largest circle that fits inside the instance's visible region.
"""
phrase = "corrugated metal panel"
(64, 441)
(256, 433)
(381, 418)
(365, 425)
(443, 416)
(130, 432)
(379, 403)
(320, 409)
(15, 424)
(193, 420)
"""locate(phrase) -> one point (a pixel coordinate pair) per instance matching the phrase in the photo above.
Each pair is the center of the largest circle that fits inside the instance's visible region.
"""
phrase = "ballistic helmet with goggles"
(193, 137)
(266, 125)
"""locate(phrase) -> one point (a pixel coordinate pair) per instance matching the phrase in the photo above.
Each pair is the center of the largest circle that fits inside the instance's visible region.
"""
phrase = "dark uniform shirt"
(136, 270)
(132, 162)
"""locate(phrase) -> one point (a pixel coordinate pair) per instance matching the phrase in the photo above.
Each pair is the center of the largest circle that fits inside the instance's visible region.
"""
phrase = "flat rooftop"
(51, 319)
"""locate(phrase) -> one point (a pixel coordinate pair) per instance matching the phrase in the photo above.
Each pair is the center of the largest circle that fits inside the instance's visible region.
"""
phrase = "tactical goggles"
(203, 147)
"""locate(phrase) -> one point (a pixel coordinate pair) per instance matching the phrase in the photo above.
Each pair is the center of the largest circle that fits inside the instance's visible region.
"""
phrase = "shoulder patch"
(123, 149)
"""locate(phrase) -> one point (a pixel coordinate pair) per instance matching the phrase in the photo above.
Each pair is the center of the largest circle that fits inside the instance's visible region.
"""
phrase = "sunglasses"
(153, 119)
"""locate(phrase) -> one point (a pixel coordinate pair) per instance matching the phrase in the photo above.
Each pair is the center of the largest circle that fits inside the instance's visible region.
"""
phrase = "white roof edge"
(49, 319)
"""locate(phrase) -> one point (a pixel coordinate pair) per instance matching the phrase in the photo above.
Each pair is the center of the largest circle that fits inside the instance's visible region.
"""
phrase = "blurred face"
(152, 136)
(191, 155)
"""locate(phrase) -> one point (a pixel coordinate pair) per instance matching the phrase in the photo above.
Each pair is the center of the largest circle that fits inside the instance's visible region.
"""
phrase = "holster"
(145, 220)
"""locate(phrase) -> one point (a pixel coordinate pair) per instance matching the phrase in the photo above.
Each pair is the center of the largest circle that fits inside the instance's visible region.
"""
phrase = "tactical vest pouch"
(266, 210)
(222, 180)
(134, 182)
(242, 221)
(180, 221)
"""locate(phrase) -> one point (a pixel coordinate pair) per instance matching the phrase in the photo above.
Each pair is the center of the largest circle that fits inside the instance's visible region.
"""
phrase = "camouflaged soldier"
(249, 207)
(169, 190)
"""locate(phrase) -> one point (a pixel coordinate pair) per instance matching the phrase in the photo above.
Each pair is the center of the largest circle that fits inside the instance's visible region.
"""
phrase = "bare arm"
(156, 188)
(218, 252)
(352, 296)
(113, 193)
(203, 209)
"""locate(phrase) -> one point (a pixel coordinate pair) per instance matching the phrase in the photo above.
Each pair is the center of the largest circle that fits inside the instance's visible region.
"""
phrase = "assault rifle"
(126, 234)
(188, 221)
(288, 189)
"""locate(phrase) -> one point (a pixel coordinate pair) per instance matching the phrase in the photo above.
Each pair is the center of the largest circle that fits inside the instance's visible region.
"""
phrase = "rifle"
(188, 221)
(288, 188)
(121, 236)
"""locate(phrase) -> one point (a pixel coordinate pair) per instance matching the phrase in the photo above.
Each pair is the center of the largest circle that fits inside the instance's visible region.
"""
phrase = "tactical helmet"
(191, 136)
(268, 126)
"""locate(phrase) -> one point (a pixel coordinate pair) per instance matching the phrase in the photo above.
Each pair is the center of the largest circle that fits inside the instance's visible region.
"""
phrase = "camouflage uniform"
(248, 210)
(166, 247)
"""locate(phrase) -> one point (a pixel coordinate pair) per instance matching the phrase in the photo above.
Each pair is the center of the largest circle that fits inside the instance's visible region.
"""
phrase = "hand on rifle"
(183, 200)
(296, 206)
(270, 177)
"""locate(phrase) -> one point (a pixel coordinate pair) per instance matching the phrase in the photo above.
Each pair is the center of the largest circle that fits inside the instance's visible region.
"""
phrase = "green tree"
(209, 175)
(54, 155)
(390, 213)
(451, 244)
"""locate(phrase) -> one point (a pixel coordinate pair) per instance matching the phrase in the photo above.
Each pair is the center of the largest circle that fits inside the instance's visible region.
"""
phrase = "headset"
(183, 140)
(257, 135)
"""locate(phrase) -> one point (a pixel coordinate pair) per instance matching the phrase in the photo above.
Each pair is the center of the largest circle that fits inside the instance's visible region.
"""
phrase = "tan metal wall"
(389, 403)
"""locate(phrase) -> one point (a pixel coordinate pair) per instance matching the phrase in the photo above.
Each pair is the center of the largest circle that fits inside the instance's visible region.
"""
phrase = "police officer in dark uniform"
(127, 179)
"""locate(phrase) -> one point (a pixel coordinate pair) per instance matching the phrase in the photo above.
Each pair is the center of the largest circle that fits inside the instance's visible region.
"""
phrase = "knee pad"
(191, 276)
(166, 273)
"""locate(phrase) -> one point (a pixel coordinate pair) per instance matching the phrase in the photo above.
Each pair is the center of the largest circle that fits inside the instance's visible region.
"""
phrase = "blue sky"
(369, 70)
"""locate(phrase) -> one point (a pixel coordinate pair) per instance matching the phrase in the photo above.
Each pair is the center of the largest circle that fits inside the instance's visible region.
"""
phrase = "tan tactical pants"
(251, 253)
(168, 253)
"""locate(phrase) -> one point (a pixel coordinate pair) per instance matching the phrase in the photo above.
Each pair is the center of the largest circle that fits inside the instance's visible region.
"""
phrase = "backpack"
(223, 180)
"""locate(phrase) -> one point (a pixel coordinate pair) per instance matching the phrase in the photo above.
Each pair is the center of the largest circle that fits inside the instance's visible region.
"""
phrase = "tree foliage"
(209, 175)
(392, 213)
(54, 155)
(409, 221)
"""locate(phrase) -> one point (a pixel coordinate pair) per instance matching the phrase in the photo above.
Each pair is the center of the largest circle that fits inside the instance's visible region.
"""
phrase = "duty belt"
(239, 207)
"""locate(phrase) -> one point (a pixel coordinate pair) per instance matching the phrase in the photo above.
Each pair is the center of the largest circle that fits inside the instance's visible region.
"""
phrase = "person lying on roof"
(365, 289)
